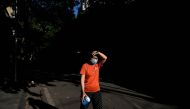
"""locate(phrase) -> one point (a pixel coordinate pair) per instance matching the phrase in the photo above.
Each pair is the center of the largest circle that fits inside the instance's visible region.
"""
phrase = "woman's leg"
(97, 100)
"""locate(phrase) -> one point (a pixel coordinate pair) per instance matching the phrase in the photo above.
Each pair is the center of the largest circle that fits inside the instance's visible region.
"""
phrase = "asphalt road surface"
(66, 95)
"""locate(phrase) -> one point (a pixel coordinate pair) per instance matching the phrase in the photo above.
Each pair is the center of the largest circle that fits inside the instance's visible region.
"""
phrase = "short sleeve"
(83, 69)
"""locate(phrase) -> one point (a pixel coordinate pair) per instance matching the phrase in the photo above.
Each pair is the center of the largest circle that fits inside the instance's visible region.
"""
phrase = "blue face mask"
(94, 61)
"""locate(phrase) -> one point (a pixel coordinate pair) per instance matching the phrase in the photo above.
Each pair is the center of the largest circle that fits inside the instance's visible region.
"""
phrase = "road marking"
(48, 96)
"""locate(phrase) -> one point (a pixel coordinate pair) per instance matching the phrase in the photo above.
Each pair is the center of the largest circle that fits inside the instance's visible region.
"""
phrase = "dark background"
(142, 41)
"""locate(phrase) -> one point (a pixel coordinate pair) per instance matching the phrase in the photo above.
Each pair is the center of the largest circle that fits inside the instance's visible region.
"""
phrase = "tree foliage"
(39, 21)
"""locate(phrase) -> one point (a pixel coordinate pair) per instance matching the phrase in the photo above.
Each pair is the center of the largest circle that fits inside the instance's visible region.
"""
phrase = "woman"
(90, 79)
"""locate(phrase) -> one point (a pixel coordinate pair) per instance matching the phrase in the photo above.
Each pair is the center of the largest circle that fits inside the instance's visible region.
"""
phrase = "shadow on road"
(38, 104)
(134, 94)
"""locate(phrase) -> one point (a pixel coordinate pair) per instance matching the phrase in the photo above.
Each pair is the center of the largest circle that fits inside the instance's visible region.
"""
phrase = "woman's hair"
(88, 55)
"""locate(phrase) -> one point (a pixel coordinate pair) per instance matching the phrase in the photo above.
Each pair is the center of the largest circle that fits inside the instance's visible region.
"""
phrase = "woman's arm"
(82, 86)
(102, 56)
